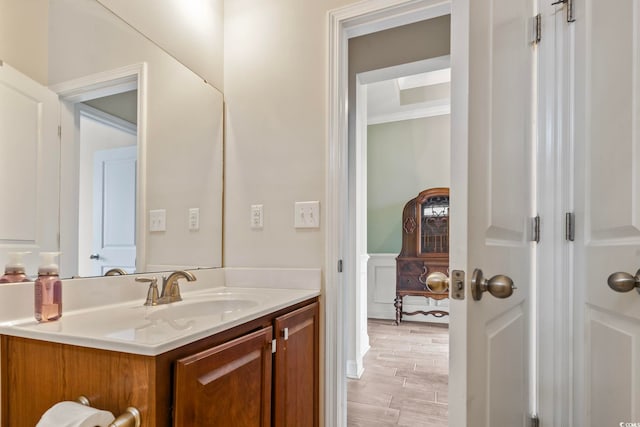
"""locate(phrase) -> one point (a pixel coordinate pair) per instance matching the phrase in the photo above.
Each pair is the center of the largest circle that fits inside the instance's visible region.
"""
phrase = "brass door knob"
(624, 282)
(500, 286)
(437, 282)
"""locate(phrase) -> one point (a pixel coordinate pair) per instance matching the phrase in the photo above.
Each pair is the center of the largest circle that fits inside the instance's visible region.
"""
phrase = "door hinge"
(535, 229)
(59, 131)
(339, 266)
(570, 226)
(273, 346)
(534, 421)
(285, 333)
(537, 29)
(570, 10)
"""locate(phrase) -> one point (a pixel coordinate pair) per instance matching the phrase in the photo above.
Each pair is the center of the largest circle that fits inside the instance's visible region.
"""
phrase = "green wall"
(403, 158)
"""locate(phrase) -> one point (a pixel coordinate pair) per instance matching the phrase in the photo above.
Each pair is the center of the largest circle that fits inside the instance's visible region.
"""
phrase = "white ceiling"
(411, 96)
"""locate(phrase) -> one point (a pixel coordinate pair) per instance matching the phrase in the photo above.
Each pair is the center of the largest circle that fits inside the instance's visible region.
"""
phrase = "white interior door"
(29, 166)
(491, 206)
(607, 203)
(114, 210)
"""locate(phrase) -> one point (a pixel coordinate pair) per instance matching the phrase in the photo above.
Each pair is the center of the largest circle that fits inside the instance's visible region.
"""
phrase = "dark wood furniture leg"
(398, 305)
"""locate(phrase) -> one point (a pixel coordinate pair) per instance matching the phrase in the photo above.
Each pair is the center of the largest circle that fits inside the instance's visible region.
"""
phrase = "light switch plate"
(158, 220)
(257, 216)
(307, 214)
(194, 219)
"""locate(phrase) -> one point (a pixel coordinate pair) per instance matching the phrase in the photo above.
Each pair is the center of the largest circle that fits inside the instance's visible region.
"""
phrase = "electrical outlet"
(307, 214)
(257, 216)
(158, 220)
(194, 219)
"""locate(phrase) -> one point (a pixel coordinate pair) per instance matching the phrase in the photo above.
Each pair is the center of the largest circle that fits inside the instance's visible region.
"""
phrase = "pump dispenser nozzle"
(15, 264)
(14, 270)
(47, 263)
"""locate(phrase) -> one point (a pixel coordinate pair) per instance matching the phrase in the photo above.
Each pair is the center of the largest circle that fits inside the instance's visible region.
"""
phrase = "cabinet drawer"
(412, 273)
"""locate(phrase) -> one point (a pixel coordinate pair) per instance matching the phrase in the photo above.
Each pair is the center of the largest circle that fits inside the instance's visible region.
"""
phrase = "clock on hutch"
(422, 268)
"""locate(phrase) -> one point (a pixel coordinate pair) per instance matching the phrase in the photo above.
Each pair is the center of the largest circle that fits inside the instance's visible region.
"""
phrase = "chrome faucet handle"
(152, 294)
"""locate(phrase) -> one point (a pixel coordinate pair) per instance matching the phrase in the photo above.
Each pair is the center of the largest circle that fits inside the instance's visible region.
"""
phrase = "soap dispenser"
(48, 289)
(14, 270)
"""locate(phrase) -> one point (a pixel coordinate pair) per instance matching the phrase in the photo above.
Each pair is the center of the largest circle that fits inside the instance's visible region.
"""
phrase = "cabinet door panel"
(296, 368)
(226, 385)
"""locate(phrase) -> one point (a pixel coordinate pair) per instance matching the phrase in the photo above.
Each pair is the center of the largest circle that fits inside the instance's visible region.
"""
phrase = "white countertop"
(123, 323)
(133, 328)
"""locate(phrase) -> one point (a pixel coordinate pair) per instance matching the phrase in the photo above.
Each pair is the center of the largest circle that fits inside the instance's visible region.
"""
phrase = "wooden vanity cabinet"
(296, 365)
(229, 379)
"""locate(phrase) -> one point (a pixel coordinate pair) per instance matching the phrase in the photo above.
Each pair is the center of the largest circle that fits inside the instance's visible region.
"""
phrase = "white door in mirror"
(307, 215)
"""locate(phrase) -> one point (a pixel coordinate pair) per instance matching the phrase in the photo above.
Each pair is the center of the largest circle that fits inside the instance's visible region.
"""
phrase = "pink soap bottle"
(14, 270)
(48, 289)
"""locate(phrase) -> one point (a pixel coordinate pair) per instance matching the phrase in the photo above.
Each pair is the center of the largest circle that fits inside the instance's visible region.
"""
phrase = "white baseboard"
(354, 369)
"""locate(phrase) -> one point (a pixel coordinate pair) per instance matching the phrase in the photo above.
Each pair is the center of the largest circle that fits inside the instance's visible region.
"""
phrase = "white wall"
(191, 31)
(404, 158)
(23, 36)
(275, 70)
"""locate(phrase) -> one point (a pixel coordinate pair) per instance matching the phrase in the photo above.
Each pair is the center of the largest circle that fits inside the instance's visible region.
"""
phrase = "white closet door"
(607, 188)
(29, 166)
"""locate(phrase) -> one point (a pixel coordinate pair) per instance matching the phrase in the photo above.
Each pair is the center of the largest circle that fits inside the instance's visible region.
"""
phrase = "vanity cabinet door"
(226, 385)
(296, 368)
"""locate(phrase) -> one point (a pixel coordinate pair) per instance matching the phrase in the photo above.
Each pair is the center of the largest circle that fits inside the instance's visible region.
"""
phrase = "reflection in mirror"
(107, 184)
(169, 156)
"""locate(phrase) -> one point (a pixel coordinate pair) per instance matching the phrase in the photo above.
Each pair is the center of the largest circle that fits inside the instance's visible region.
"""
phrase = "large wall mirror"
(141, 143)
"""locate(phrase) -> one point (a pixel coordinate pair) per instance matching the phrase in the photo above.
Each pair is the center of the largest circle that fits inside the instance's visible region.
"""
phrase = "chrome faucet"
(170, 287)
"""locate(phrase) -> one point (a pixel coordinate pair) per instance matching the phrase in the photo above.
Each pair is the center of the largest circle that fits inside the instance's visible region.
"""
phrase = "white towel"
(73, 414)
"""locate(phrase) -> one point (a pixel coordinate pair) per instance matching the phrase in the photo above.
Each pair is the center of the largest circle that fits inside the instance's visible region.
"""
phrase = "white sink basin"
(192, 309)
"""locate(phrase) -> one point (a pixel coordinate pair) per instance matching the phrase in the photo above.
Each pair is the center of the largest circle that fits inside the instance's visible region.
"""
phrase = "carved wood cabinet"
(422, 267)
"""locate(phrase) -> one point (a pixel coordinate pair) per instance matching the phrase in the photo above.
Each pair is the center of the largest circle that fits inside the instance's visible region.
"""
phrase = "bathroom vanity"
(225, 356)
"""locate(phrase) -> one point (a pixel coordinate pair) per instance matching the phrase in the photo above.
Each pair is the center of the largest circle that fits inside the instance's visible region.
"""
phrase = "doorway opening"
(103, 122)
(402, 147)
(107, 184)
(346, 24)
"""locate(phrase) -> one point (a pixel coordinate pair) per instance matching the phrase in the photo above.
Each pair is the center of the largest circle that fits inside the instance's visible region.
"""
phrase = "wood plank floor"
(405, 380)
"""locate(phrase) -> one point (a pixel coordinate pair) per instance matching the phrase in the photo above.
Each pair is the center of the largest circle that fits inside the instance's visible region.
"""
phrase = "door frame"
(79, 90)
(344, 23)
(554, 289)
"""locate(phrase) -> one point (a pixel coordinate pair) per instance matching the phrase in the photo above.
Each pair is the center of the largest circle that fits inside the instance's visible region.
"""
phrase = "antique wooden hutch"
(422, 268)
